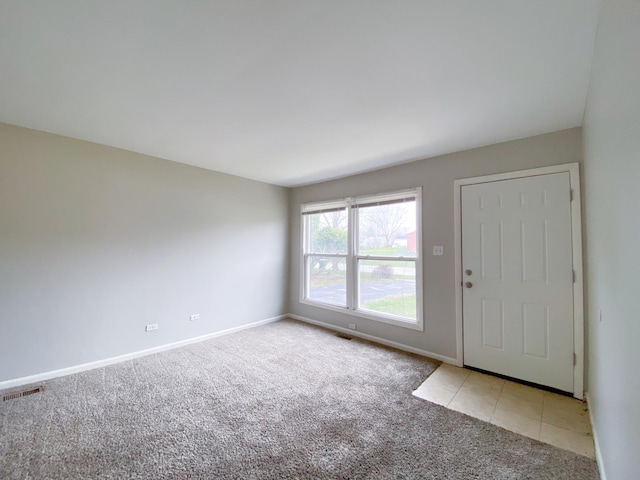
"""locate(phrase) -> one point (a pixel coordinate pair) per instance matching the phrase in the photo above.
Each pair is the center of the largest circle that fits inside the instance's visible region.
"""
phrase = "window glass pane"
(327, 232)
(387, 230)
(388, 286)
(327, 279)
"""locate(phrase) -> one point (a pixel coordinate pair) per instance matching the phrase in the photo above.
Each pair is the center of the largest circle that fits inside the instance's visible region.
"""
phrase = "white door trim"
(576, 234)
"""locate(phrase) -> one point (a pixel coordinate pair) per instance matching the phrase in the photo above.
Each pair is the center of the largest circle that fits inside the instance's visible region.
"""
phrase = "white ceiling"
(295, 91)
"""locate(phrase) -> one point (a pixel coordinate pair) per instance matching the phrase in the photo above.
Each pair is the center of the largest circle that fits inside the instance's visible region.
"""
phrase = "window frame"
(352, 257)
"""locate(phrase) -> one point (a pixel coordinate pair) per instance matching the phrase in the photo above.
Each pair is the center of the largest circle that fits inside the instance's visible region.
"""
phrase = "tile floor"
(548, 417)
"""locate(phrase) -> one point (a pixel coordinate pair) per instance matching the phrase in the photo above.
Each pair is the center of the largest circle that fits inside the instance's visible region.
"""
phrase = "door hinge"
(571, 194)
(574, 275)
(574, 359)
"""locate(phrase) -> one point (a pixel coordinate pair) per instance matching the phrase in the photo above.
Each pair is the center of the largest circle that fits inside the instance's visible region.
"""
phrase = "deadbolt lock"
(468, 272)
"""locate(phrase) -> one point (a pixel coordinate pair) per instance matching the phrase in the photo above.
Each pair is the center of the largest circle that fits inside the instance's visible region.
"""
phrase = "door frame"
(576, 236)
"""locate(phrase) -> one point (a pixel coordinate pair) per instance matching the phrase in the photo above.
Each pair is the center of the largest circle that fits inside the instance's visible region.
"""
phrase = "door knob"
(468, 272)
(468, 284)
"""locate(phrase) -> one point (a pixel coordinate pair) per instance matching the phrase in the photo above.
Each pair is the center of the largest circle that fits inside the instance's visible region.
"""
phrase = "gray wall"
(612, 177)
(96, 242)
(436, 176)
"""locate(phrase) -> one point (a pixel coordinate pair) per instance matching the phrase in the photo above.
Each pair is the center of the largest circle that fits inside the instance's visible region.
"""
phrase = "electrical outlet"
(151, 327)
(195, 316)
(352, 326)
(438, 250)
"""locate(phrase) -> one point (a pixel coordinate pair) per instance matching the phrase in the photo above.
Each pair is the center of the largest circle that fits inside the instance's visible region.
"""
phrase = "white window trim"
(352, 259)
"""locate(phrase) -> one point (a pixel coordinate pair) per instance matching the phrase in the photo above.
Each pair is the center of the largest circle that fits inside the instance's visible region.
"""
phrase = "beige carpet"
(282, 401)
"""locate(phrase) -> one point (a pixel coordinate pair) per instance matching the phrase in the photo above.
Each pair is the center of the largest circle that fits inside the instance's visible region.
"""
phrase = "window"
(362, 256)
(326, 247)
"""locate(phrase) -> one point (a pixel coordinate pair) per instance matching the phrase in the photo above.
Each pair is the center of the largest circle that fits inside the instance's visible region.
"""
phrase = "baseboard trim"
(16, 382)
(388, 343)
(596, 443)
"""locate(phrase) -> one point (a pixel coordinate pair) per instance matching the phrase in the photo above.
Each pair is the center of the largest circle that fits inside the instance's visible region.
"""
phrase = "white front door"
(518, 279)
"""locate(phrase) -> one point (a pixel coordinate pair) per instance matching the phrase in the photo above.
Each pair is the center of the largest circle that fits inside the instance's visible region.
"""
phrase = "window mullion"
(305, 280)
(352, 231)
(305, 257)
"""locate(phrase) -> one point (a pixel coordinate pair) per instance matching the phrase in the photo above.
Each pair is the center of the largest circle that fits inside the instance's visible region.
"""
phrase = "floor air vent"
(343, 336)
(22, 393)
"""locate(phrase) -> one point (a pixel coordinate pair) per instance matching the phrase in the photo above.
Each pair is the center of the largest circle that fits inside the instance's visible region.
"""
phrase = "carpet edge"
(373, 338)
(39, 377)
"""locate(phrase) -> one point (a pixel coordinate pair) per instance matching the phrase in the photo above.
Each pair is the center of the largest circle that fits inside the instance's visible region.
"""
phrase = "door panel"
(492, 318)
(517, 258)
